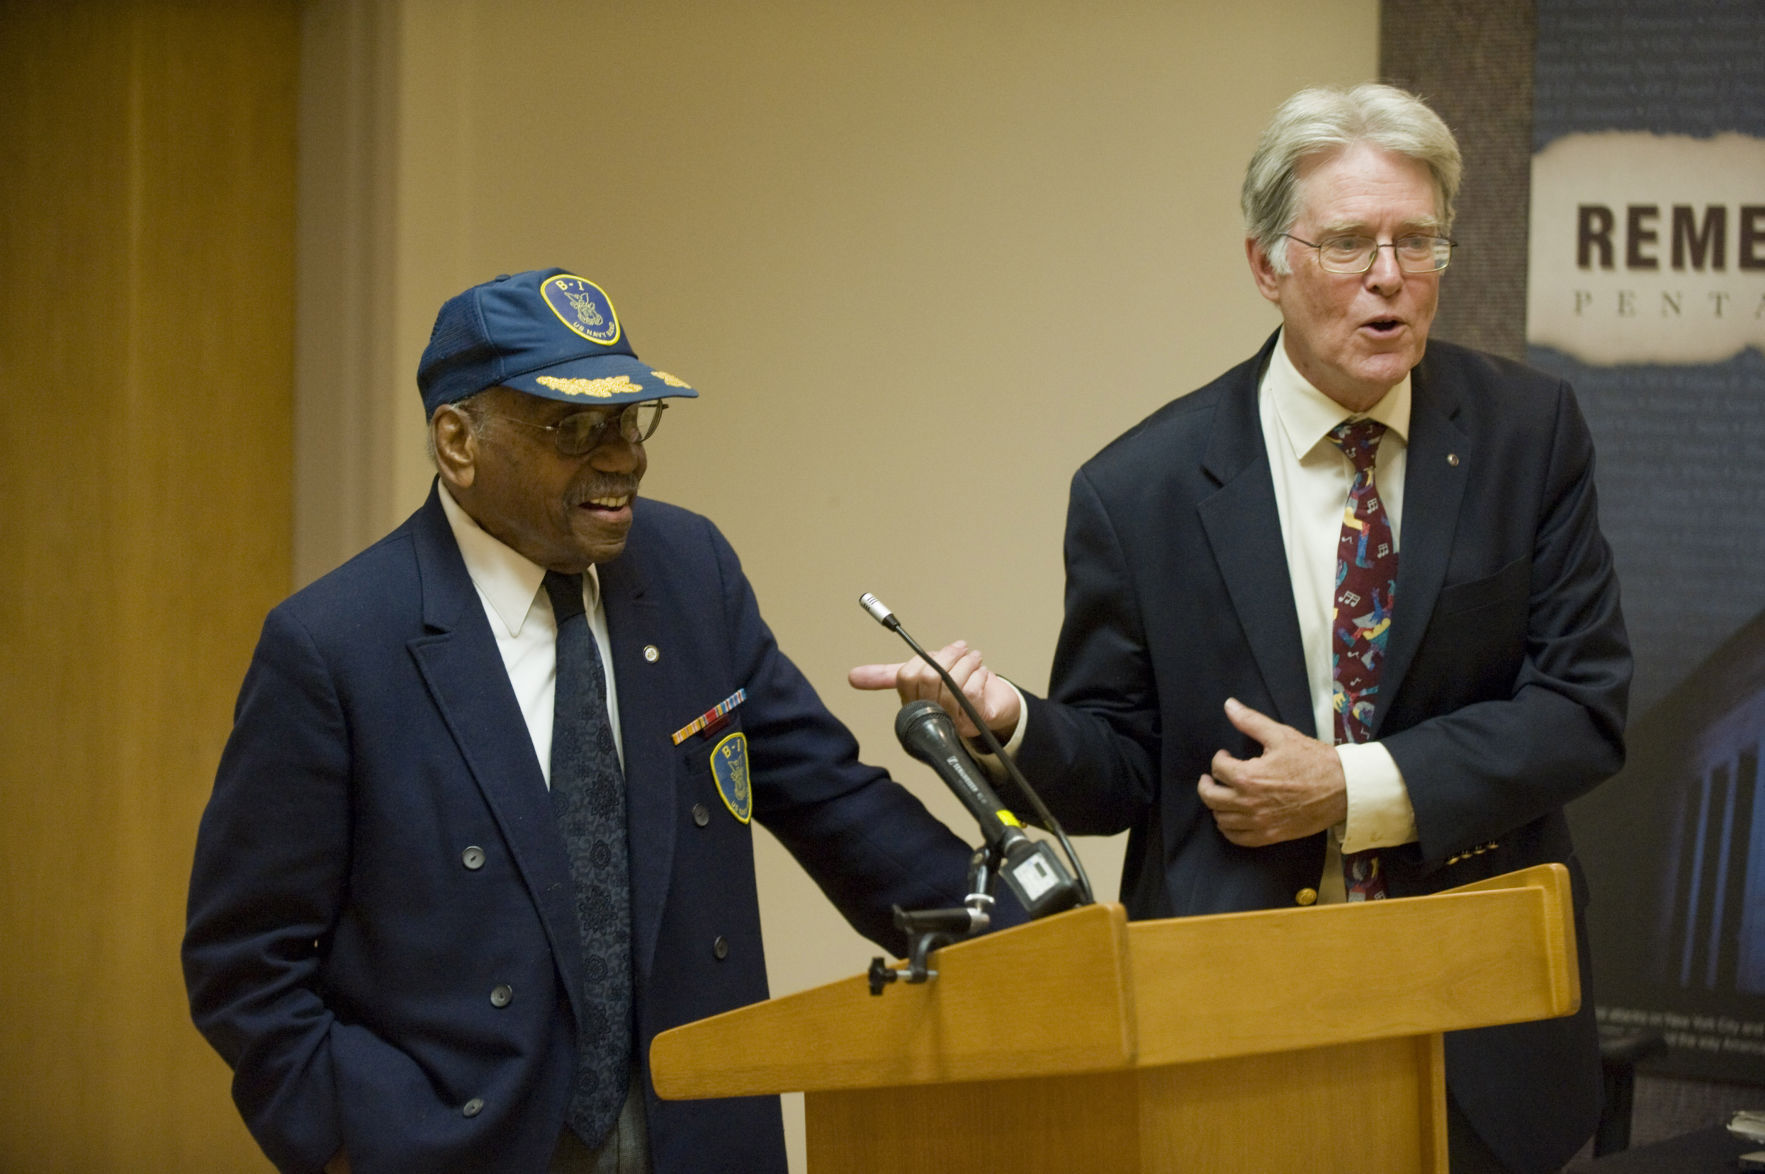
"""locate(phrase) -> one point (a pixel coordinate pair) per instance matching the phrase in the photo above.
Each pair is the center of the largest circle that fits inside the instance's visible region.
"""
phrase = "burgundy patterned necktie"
(1366, 576)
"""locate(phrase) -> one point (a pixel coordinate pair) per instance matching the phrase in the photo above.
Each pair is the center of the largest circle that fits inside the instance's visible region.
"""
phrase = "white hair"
(1323, 120)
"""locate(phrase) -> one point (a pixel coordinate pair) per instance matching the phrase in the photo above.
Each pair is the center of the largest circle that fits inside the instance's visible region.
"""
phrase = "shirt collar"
(508, 581)
(1306, 414)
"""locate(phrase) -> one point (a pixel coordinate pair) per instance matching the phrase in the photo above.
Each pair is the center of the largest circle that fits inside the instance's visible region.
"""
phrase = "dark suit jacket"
(379, 854)
(1502, 695)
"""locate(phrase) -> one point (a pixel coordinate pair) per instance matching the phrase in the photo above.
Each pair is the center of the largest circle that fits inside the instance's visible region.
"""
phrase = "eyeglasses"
(1356, 254)
(580, 433)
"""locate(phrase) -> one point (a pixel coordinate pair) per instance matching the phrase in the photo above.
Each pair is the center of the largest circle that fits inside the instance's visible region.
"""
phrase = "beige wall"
(921, 258)
(146, 367)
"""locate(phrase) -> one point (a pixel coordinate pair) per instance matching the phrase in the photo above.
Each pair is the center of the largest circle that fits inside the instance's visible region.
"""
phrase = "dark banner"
(1647, 290)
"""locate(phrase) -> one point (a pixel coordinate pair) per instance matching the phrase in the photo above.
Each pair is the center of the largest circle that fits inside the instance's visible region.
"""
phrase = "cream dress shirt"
(1311, 479)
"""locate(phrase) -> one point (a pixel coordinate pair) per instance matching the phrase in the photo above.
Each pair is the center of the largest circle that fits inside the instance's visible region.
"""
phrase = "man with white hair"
(1341, 624)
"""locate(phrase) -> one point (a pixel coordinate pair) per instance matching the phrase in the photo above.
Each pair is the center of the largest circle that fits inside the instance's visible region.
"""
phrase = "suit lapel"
(634, 623)
(1434, 485)
(1243, 527)
(459, 662)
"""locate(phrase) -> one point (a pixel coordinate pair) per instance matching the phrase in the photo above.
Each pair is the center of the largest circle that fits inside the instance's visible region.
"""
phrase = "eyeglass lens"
(1356, 254)
(582, 431)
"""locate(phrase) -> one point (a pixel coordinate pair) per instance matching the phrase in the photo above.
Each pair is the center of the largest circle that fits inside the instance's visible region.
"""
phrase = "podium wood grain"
(1301, 1039)
(1049, 998)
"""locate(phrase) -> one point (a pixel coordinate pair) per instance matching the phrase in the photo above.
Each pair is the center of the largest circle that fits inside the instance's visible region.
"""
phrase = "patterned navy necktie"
(1366, 578)
(588, 795)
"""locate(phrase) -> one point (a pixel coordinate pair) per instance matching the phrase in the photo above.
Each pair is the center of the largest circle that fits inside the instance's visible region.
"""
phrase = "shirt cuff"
(1379, 810)
(988, 760)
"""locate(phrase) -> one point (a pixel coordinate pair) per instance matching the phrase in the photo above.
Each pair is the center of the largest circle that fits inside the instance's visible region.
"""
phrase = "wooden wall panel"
(146, 250)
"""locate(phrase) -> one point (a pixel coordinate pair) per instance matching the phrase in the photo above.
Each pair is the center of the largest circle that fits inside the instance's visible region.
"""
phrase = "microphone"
(927, 733)
(1029, 867)
(880, 612)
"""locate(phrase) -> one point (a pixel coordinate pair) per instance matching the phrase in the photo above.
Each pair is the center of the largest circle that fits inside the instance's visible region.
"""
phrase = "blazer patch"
(729, 766)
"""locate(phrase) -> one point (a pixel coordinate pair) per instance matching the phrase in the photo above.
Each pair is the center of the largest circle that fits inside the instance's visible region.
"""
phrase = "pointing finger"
(873, 676)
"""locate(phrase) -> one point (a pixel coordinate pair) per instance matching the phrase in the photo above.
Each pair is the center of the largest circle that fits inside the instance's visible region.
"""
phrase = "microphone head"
(914, 713)
(879, 611)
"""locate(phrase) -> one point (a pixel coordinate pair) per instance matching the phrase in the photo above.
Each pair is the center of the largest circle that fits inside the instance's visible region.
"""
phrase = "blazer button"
(472, 1107)
(473, 858)
(1306, 897)
(502, 995)
(701, 814)
(720, 948)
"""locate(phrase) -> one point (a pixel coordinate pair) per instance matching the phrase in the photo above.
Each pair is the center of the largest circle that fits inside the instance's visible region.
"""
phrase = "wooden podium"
(1084, 1042)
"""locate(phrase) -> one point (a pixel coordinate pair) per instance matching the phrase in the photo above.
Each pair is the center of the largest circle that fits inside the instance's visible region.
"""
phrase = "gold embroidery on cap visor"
(671, 380)
(594, 388)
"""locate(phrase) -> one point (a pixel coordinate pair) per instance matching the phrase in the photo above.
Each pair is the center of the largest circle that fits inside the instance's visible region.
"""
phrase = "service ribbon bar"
(711, 715)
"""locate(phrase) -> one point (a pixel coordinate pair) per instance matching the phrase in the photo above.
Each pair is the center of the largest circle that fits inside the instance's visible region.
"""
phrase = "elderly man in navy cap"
(482, 828)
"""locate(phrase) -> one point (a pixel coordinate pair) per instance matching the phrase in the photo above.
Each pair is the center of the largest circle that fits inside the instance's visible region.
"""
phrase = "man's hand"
(1293, 789)
(992, 698)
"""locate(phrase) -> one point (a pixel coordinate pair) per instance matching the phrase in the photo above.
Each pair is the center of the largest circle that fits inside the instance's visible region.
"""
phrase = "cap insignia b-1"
(729, 767)
(582, 306)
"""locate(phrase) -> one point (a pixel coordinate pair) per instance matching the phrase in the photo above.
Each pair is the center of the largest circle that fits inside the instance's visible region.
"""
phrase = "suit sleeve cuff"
(1379, 810)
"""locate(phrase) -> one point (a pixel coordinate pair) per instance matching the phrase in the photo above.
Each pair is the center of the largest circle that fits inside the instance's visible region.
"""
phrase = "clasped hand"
(1293, 789)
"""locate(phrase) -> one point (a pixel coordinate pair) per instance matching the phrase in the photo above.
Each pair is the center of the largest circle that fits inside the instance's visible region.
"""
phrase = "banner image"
(1646, 289)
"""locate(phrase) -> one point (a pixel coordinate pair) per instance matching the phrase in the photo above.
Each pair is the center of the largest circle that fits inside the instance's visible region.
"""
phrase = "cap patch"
(582, 306)
(597, 388)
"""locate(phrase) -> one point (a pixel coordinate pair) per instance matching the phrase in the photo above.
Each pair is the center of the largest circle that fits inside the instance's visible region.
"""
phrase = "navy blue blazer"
(1502, 696)
(379, 855)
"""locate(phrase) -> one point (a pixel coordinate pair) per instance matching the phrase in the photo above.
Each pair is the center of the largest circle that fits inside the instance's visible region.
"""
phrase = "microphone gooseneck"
(920, 720)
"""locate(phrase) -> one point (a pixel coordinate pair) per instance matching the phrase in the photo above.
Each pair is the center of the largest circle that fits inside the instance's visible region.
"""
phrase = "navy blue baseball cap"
(546, 332)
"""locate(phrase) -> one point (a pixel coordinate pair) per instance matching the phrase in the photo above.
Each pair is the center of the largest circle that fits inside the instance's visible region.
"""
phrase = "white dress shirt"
(1312, 479)
(510, 587)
